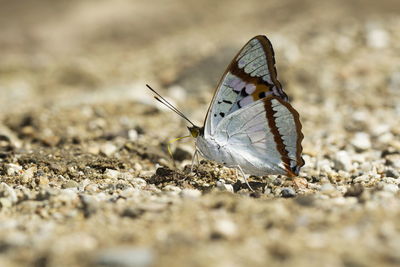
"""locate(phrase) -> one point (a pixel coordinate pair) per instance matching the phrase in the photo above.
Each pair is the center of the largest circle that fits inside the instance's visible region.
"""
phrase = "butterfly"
(250, 124)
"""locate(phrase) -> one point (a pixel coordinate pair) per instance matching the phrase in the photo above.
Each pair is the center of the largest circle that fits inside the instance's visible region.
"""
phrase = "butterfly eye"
(194, 131)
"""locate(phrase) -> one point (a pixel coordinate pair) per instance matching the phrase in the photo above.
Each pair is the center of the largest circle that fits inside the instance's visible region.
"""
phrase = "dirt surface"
(85, 176)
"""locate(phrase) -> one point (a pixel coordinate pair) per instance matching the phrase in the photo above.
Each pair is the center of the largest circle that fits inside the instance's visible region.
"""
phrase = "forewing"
(250, 76)
(268, 130)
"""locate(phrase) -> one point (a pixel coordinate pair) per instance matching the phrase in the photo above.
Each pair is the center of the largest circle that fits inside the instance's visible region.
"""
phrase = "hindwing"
(268, 132)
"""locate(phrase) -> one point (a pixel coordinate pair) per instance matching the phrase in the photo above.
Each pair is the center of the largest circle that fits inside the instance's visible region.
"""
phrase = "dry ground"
(85, 177)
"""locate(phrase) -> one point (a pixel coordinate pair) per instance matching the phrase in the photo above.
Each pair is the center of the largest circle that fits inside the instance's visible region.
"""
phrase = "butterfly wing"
(266, 135)
(250, 76)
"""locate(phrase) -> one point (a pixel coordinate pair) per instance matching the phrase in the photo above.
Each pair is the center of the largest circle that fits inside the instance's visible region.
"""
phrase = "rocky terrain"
(85, 175)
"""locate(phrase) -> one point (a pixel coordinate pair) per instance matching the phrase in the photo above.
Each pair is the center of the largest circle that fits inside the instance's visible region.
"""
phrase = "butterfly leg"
(195, 155)
(244, 176)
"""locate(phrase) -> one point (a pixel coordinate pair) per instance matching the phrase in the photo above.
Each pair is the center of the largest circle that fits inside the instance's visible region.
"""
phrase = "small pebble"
(70, 184)
(111, 174)
(190, 193)
(392, 188)
(221, 185)
(392, 173)
(90, 204)
(277, 181)
(342, 161)
(172, 188)
(67, 195)
(224, 228)
(8, 192)
(28, 175)
(51, 140)
(288, 192)
(177, 92)
(132, 212)
(133, 135)
(125, 257)
(361, 141)
(377, 37)
(325, 165)
(327, 188)
(43, 180)
(108, 149)
(305, 200)
(393, 160)
(354, 191)
(138, 182)
(93, 149)
(13, 169)
(92, 188)
(5, 203)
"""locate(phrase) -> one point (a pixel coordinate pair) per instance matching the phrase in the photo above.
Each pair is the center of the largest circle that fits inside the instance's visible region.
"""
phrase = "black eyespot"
(261, 95)
(227, 101)
(222, 114)
(215, 115)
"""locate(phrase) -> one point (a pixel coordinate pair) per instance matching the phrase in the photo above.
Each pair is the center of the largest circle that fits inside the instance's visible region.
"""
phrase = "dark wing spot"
(222, 114)
(219, 102)
(243, 92)
(227, 101)
(215, 115)
(262, 95)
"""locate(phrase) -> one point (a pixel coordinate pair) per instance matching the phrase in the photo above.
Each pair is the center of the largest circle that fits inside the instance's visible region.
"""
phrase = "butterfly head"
(195, 131)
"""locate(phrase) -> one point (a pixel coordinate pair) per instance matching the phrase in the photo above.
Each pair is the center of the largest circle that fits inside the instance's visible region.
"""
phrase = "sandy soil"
(85, 176)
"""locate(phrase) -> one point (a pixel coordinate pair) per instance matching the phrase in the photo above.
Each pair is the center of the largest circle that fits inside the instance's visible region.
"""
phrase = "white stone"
(13, 169)
(361, 141)
(225, 228)
(111, 174)
(380, 129)
(391, 188)
(386, 138)
(133, 135)
(108, 149)
(327, 188)
(8, 192)
(342, 161)
(376, 36)
(130, 192)
(28, 175)
(124, 257)
(221, 185)
(324, 165)
(190, 193)
(138, 182)
(172, 188)
(177, 92)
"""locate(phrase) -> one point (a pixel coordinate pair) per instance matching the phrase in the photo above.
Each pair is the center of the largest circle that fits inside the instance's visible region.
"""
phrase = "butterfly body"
(250, 125)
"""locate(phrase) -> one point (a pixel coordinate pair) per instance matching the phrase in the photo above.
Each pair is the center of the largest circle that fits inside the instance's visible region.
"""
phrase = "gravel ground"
(85, 176)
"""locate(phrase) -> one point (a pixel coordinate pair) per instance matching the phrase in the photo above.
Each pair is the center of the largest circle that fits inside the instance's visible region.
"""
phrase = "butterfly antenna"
(165, 102)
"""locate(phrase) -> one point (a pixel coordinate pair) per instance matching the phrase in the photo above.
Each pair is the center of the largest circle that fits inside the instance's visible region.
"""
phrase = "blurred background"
(64, 52)
(76, 118)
